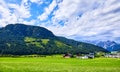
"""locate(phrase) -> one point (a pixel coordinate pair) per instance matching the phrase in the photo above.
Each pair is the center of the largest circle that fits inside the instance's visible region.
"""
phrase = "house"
(81, 56)
(113, 54)
(84, 57)
(78, 56)
(68, 55)
(91, 55)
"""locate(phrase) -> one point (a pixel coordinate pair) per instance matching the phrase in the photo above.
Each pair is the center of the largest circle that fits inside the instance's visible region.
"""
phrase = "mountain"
(108, 45)
(20, 39)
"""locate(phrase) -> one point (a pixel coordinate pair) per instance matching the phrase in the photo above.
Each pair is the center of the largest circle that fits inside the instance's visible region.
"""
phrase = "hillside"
(20, 39)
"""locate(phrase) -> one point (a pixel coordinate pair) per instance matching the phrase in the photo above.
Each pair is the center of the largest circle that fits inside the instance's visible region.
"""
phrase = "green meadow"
(58, 64)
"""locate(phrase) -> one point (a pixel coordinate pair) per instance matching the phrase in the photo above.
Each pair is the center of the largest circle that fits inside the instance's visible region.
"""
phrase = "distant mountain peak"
(108, 41)
(108, 44)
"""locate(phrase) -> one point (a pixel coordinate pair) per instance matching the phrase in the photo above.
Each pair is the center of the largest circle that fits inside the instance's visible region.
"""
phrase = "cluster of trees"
(20, 47)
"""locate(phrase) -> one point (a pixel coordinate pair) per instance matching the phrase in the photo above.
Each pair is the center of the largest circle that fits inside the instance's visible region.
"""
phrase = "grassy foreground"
(58, 64)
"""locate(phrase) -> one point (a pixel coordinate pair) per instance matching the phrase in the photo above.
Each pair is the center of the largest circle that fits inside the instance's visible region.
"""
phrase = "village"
(113, 54)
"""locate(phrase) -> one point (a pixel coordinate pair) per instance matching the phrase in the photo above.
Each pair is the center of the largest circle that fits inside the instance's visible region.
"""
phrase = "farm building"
(86, 56)
(68, 55)
(114, 54)
(91, 55)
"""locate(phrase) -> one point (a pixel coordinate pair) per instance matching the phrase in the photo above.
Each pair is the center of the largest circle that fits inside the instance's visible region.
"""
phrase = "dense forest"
(20, 39)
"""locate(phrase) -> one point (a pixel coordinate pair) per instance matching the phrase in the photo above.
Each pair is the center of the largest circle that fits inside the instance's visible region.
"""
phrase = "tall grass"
(58, 64)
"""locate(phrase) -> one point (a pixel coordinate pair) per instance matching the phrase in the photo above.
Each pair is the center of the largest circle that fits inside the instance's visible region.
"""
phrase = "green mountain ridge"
(20, 39)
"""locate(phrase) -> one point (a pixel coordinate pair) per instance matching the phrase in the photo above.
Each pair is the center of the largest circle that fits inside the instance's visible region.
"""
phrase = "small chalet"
(68, 55)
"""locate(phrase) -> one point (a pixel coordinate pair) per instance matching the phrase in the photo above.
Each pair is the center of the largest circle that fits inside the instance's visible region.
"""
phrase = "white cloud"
(13, 13)
(32, 22)
(47, 11)
(98, 19)
(82, 19)
(73, 8)
(5, 14)
(21, 11)
(37, 1)
(42, 17)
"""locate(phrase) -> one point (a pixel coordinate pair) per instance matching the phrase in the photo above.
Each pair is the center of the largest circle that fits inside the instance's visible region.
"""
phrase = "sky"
(75, 19)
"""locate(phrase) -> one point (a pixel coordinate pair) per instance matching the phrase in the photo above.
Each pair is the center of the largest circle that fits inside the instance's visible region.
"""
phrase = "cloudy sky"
(76, 19)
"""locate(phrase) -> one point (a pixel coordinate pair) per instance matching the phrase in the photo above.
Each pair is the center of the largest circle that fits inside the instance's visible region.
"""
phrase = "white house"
(113, 54)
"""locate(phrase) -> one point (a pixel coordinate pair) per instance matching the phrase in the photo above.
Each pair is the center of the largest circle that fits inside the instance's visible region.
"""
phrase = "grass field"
(58, 64)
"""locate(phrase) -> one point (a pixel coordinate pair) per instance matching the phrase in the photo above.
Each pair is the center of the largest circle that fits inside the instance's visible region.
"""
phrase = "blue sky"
(75, 19)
